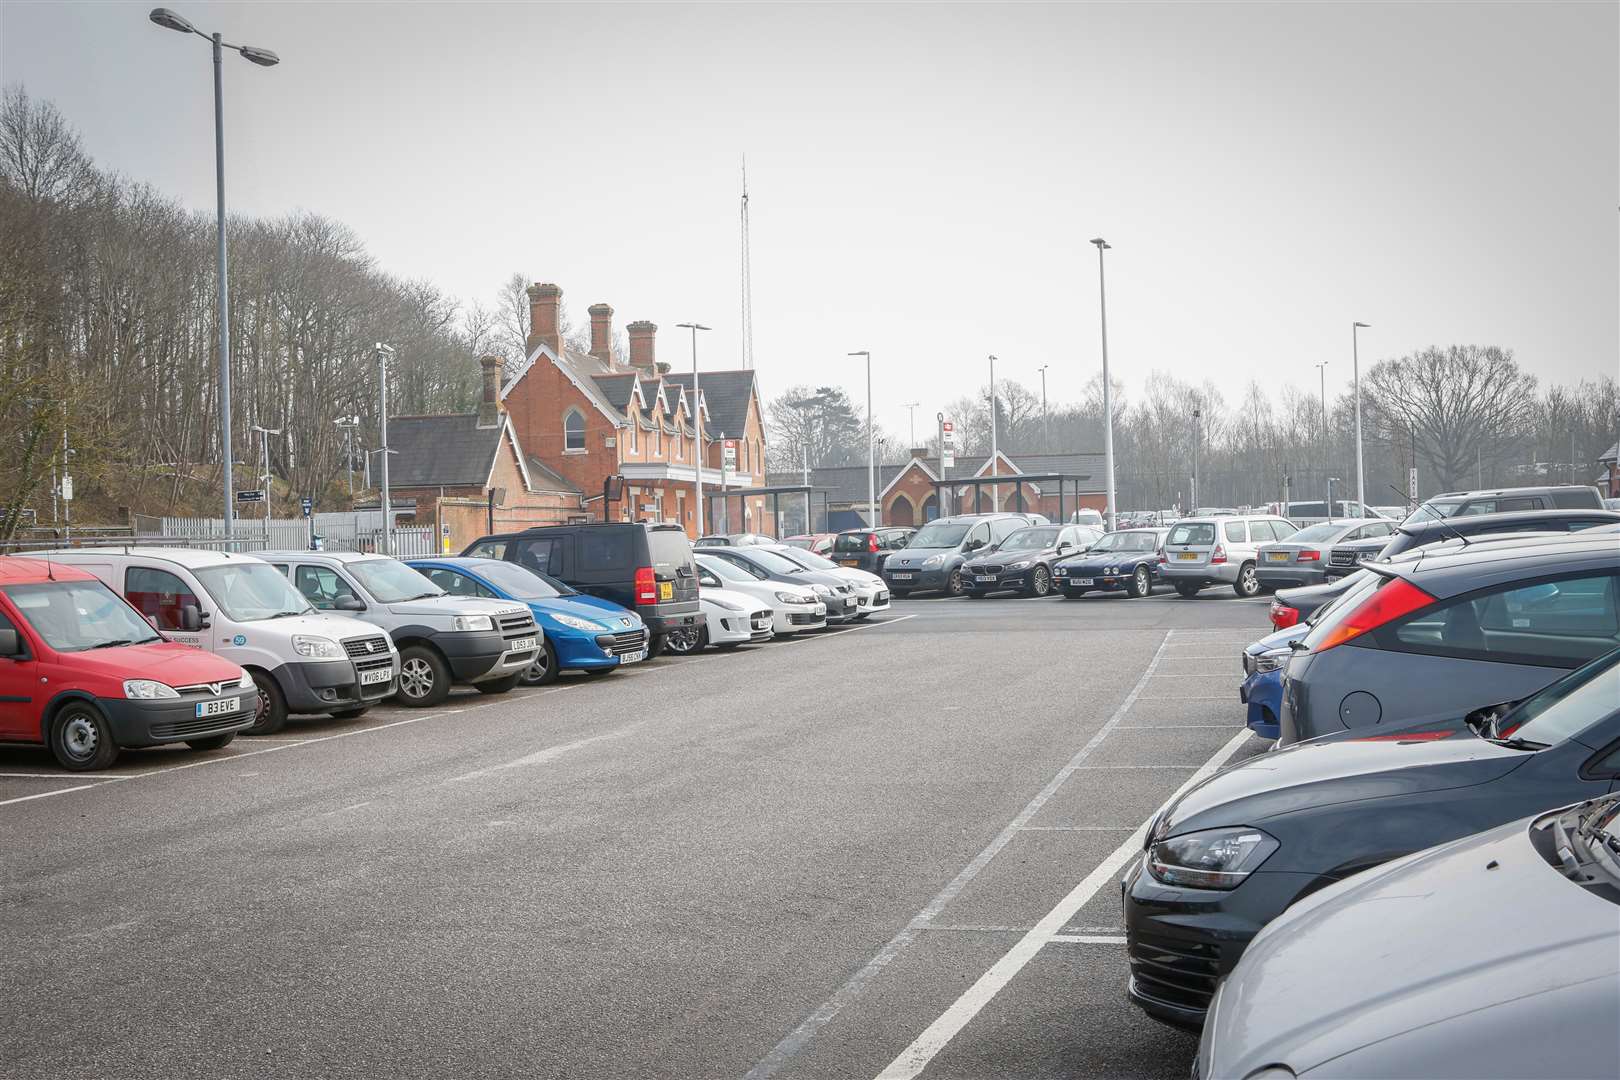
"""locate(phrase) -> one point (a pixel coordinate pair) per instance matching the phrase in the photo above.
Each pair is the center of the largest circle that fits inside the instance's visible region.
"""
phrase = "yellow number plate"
(666, 590)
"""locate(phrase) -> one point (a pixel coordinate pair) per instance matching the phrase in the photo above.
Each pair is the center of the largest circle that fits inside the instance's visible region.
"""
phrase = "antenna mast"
(747, 279)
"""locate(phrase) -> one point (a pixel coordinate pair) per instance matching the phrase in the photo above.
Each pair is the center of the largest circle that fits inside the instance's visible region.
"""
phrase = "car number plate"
(1084, 581)
(1276, 556)
(986, 577)
(1187, 556)
(222, 707)
(849, 562)
(899, 575)
(632, 657)
(521, 644)
(666, 590)
(381, 675)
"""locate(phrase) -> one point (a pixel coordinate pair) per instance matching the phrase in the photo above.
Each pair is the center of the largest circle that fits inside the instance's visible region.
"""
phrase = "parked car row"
(1448, 725)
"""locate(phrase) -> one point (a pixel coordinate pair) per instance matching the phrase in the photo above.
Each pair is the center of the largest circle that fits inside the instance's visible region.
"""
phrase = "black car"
(1506, 500)
(869, 549)
(1126, 560)
(646, 568)
(1348, 557)
(1230, 854)
(1023, 561)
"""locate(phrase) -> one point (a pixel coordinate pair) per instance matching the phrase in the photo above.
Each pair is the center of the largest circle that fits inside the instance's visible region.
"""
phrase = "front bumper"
(871, 600)
(1007, 579)
(792, 618)
(317, 686)
(918, 580)
(154, 721)
(480, 655)
(1262, 693)
(1285, 577)
(579, 651)
(1182, 942)
(842, 607)
(1069, 579)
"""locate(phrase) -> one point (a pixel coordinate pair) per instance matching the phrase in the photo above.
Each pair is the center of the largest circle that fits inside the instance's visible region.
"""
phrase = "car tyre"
(212, 742)
(1141, 583)
(655, 646)
(1040, 581)
(953, 584)
(272, 714)
(1188, 589)
(1247, 584)
(81, 739)
(499, 686)
(542, 671)
(424, 677)
(687, 640)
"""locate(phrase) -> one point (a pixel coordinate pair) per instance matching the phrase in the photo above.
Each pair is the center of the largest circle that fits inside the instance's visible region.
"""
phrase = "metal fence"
(359, 530)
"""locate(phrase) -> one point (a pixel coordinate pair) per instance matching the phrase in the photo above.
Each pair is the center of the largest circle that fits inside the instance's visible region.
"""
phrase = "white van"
(242, 610)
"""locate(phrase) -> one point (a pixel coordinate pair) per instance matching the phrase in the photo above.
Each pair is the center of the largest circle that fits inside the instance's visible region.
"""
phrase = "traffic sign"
(250, 496)
(729, 460)
(307, 504)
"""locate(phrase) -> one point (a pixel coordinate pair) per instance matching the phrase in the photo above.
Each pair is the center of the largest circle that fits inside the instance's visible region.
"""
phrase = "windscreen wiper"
(115, 643)
(1514, 742)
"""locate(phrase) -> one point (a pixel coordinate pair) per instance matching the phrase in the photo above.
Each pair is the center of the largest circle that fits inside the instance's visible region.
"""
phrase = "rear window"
(851, 542)
(668, 547)
(1192, 532)
(1576, 499)
(1317, 533)
(1307, 509)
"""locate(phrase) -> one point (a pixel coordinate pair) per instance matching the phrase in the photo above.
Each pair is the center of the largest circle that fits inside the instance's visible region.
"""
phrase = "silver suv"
(1200, 551)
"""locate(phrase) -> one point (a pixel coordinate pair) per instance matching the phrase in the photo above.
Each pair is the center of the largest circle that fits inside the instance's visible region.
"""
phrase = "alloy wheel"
(1143, 584)
(415, 678)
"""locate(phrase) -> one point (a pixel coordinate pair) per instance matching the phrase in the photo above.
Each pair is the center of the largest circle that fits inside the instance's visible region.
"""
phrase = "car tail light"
(1218, 555)
(1163, 558)
(871, 542)
(1388, 602)
(646, 586)
(1308, 555)
(1283, 616)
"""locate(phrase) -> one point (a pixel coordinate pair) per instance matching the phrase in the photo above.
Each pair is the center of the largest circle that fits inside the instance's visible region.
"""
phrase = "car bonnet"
(608, 614)
(910, 557)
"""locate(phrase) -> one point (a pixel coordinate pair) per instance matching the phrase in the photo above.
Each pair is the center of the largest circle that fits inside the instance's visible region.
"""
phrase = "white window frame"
(573, 412)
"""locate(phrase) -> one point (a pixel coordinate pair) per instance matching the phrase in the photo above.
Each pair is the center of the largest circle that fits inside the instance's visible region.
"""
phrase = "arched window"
(574, 432)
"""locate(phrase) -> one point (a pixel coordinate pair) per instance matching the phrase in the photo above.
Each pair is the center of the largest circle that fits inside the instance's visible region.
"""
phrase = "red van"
(82, 672)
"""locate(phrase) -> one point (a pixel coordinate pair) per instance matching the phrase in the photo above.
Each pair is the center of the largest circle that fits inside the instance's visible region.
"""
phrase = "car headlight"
(822, 590)
(1270, 661)
(574, 622)
(933, 560)
(317, 648)
(1211, 859)
(148, 688)
(472, 622)
(794, 598)
(245, 682)
(1019, 565)
(1111, 571)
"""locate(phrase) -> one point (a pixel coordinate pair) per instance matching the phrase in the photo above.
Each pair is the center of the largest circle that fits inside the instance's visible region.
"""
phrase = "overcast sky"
(925, 177)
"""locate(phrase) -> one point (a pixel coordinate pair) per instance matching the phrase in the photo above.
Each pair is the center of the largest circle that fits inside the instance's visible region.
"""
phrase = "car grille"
(628, 642)
(516, 625)
(842, 589)
(195, 725)
(761, 620)
(366, 647)
(880, 597)
(804, 618)
(1179, 973)
(206, 690)
(1342, 557)
(987, 569)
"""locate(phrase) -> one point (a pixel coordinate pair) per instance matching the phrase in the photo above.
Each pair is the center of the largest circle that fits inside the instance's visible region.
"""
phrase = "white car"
(731, 619)
(794, 608)
(871, 591)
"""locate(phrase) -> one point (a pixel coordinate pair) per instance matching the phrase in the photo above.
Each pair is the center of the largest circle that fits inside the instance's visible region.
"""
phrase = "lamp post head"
(169, 20)
(691, 326)
(262, 57)
(1102, 245)
(863, 352)
(1362, 325)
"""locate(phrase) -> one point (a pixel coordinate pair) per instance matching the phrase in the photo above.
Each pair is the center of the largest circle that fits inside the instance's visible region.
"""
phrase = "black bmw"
(1023, 561)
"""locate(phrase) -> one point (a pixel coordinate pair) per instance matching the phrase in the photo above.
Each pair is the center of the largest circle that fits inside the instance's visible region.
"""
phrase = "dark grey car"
(1433, 635)
(1493, 957)
(1349, 554)
(1302, 558)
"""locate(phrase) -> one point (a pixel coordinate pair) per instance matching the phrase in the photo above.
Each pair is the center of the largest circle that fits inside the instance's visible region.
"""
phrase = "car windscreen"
(776, 564)
(1127, 541)
(939, 534)
(391, 582)
(1433, 510)
(1192, 532)
(521, 583)
(726, 570)
(809, 560)
(73, 616)
(855, 541)
(1569, 706)
(669, 550)
(1037, 539)
(1316, 534)
(251, 591)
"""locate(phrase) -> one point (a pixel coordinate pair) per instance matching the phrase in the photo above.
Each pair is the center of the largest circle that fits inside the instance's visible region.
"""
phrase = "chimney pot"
(545, 317)
(489, 407)
(641, 345)
(602, 332)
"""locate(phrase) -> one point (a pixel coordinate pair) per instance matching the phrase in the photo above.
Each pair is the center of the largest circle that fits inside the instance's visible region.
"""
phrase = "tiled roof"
(547, 479)
(726, 393)
(617, 389)
(1611, 454)
(440, 451)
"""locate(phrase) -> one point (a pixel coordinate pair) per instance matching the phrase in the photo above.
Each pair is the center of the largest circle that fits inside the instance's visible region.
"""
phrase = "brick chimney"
(545, 317)
(489, 406)
(641, 346)
(602, 332)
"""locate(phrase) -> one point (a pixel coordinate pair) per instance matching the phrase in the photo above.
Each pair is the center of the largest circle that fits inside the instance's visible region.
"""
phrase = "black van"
(646, 568)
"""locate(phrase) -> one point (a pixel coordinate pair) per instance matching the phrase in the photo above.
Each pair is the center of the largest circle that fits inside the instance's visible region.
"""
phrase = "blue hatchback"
(1262, 689)
(582, 632)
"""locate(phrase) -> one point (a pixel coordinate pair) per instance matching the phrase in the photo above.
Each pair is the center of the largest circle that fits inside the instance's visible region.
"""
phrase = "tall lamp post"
(995, 454)
(697, 423)
(871, 447)
(264, 477)
(1321, 371)
(1108, 390)
(911, 412)
(264, 58)
(348, 424)
(1355, 369)
(384, 354)
(1046, 427)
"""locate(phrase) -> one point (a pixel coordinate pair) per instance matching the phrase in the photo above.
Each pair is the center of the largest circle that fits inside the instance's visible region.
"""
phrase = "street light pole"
(264, 477)
(871, 447)
(1198, 440)
(1355, 361)
(1321, 371)
(911, 411)
(1108, 391)
(1046, 426)
(995, 453)
(264, 58)
(348, 424)
(697, 425)
(384, 354)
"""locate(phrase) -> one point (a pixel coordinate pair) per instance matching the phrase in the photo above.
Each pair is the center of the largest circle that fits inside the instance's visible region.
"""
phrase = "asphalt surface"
(888, 850)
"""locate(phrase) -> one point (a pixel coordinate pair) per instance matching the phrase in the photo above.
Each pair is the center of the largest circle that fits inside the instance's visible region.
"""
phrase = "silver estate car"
(1219, 550)
(1302, 559)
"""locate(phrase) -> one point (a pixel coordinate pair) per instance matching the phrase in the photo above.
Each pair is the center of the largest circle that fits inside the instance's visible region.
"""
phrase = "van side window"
(605, 549)
(158, 595)
(544, 555)
(321, 586)
(488, 549)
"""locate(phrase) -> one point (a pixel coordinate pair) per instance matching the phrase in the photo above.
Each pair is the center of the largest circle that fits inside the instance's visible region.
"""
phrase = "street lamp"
(871, 447)
(1355, 361)
(911, 411)
(264, 58)
(995, 454)
(348, 424)
(697, 426)
(1108, 390)
(384, 354)
(264, 477)
(1321, 371)
(1046, 428)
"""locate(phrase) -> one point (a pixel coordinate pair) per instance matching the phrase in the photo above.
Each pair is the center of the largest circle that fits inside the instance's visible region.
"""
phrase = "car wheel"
(1141, 583)
(81, 739)
(1040, 582)
(212, 742)
(687, 640)
(1246, 584)
(542, 671)
(899, 594)
(272, 714)
(953, 587)
(350, 714)
(424, 677)
(499, 686)
(1188, 589)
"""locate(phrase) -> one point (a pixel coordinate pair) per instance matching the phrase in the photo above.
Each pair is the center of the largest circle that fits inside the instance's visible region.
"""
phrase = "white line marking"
(914, 1058)
(1090, 939)
(1173, 727)
(784, 1051)
(51, 776)
(550, 753)
(64, 791)
(1079, 828)
(1190, 675)
(351, 806)
(1102, 767)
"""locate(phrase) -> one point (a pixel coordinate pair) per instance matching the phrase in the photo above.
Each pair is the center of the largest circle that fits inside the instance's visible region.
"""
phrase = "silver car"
(1302, 559)
(1493, 956)
(1219, 550)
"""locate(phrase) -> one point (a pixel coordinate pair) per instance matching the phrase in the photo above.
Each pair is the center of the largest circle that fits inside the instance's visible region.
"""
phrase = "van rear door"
(673, 566)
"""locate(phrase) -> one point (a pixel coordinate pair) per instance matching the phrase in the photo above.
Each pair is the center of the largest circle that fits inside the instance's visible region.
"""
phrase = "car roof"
(326, 556)
(20, 571)
(1452, 570)
(190, 558)
(1475, 522)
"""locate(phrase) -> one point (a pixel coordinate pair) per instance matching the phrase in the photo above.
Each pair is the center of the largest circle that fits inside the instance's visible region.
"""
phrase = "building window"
(574, 432)
(680, 446)
(658, 438)
(634, 424)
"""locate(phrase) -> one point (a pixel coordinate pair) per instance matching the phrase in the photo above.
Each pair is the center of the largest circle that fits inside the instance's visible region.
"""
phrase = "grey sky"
(924, 177)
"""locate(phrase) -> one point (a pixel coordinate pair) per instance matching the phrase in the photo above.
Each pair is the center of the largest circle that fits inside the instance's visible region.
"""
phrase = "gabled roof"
(726, 395)
(847, 483)
(580, 369)
(621, 391)
(547, 479)
(1611, 454)
(446, 451)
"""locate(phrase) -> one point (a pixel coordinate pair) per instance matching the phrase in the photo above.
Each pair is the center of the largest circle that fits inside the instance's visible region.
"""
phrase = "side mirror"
(348, 603)
(1064, 548)
(9, 645)
(191, 619)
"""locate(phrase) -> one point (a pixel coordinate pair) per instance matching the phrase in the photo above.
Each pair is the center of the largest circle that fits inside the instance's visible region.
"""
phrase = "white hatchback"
(793, 607)
(871, 591)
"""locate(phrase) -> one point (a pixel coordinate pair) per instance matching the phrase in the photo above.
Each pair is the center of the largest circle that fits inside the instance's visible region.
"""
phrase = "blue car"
(1262, 689)
(582, 632)
(1126, 560)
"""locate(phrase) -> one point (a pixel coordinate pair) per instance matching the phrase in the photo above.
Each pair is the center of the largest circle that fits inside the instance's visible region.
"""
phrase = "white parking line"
(915, 1058)
(64, 791)
(1090, 939)
(550, 753)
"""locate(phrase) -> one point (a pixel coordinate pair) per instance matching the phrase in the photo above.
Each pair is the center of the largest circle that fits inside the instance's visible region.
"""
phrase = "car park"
(578, 632)
(820, 543)
(84, 674)
(1432, 634)
(1023, 561)
(1302, 558)
(1125, 560)
(1230, 854)
(302, 661)
(1214, 550)
(834, 590)
(868, 549)
(932, 560)
(795, 608)
(442, 639)
(1505, 500)
(871, 594)
(643, 567)
(1409, 970)
(731, 618)
(1348, 555)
